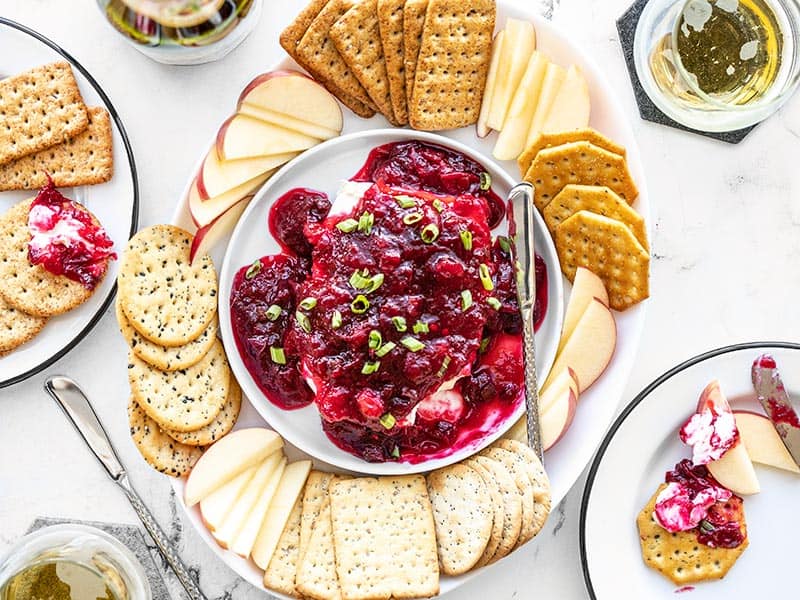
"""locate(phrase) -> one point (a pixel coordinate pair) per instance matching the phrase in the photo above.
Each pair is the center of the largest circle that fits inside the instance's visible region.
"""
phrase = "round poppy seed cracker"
(512, 506)
(167, 298)
(463, 514)
(183, 400)
(499, 511)
(17, 327)
(509, 462)
(159, 450)
(220, 426)
(32, 288)
(538, 478)
(164, 357)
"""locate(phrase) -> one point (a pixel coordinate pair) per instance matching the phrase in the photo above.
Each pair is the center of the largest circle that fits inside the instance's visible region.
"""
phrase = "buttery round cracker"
(32, 288)
(163, 357)
(220, 426)
(183, 400)
(499, 512)
(510, 462)
(167, 298)
(464, 515)
(159, 450)
(17, 327)
(538, 478)
(512, 505)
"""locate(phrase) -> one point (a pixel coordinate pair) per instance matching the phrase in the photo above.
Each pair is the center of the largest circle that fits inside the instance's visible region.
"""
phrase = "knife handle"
(532, 421)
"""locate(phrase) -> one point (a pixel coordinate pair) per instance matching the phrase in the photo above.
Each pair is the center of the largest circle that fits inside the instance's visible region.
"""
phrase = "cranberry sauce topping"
(431, 168)
(783, 414)
(262, 308)
(289, 215)
(722, 527)
(66, 240)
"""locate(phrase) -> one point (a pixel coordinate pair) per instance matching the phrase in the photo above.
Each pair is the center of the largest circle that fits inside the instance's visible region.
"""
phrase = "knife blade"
(773, 397)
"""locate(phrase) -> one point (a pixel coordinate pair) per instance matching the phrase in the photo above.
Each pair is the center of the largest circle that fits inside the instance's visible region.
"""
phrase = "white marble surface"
(726, 238)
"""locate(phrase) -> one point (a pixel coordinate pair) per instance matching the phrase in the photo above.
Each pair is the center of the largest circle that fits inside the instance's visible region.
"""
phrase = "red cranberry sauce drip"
(783, 414)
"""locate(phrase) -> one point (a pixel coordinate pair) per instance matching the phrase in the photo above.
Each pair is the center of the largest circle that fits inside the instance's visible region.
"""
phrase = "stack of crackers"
(584, 190)
(45, 128)
(183, 395)
(417, 62)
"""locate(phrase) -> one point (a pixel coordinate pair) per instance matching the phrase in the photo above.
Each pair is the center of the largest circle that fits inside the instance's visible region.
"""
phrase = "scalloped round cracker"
(220, 426)
(499, 511)
(183, 400)
(509, 461)
(167, 298)
(17, 327)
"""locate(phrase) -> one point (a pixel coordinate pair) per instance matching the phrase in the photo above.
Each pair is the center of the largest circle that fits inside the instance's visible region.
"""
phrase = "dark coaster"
(132, 537)
(626, 26)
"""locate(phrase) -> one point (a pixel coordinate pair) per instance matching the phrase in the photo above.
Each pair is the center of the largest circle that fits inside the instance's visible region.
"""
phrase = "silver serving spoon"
(79, 410)
(520, 213)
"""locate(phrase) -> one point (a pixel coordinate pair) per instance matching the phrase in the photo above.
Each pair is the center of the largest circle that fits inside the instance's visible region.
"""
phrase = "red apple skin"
(573, 405)
(712, 396)
(259, 79)
(201, 233)
(220, 142)
(201, 186)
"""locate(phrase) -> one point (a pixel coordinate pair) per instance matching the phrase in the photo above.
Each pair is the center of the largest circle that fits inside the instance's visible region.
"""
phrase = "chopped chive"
(385, 349)
(411, 218)
(253, 269)
(347, 226)
(365, 222)
(505, 244)
(429, 233)
(277, 355)
(273, 312)
(486, 181)
(412, 343)
(359, 279)
(466, 239)
(396, 452)
(308, 303)
(360, 304)
(399, 323)
(336, 319)
(484, 345)
(443, 368)
(420, 327)
(486, 277)
(706, 526)
(466, 299)
(388, 420)
(375, 339)
(374, 283)
(494, 302)
(370, 367)
(405, 201)
(438, 205)
(304, 321)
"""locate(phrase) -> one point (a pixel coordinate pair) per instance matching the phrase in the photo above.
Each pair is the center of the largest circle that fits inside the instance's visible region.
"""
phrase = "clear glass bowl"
(656, 26)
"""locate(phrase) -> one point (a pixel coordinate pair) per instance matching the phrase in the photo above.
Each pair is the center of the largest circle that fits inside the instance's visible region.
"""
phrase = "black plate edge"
(587, 491)
(134, 215)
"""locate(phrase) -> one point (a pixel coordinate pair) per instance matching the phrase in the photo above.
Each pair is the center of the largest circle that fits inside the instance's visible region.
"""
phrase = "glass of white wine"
(718, 65)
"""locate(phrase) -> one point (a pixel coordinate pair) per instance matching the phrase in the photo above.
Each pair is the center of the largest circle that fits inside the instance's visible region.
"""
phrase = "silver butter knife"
(520, 212)
(773, 397)
(69, 396)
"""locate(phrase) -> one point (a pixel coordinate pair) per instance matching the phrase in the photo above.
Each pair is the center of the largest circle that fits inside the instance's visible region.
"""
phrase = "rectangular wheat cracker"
(384, 538)
(86, 159)
(452, 64)
(39, 108)
(413, 23)
(316, 572)
(390, 21)
(282, 568)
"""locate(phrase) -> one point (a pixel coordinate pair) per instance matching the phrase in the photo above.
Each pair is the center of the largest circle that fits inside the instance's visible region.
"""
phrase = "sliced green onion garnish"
(438, 205)
(505, 244)
(494, 302)
(385, 349)
(253, 269)
(359, 279)
(466, 299)
(347, 226)
(304, 321)
(336, 319)
(370, 367)
(412, 343)
(706, 526)
(412, 218)
(388, 420)
(484, 345)
(309, 303)
(375, 339)
(486, 181)
(399, 323)
(405, 201)
(466, 239)
(443, 368)
(486, 277)
(277, 355)
(396, 452)
(429, 233)
(374, 283)
(360, 304)
(273, 312)
(420, 327)
(365, 222)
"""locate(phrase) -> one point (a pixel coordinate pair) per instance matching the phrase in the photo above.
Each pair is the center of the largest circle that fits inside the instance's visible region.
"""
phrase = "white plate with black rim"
(643, 444)
(115, 203)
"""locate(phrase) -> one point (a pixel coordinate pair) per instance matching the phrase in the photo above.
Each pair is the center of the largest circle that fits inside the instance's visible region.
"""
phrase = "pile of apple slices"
(526, 94)
(246, 489)
(279, 115)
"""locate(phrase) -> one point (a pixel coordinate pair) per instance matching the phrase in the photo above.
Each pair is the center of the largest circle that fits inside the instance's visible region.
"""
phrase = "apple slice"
(520, 42)
(294, 101)
(585, 287)
(552, 81)
(227, 458)
(482, 129)
(216, 506)
(554, 385)
(735, 471)
(712, 397)
(762, 442)
(289, 489)
(205, 212)
(208, 235)
(571, 106)
(219, 176)
(245, 137)
(591, 345)
(558, 417)
(511, 141)
(244, 542)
